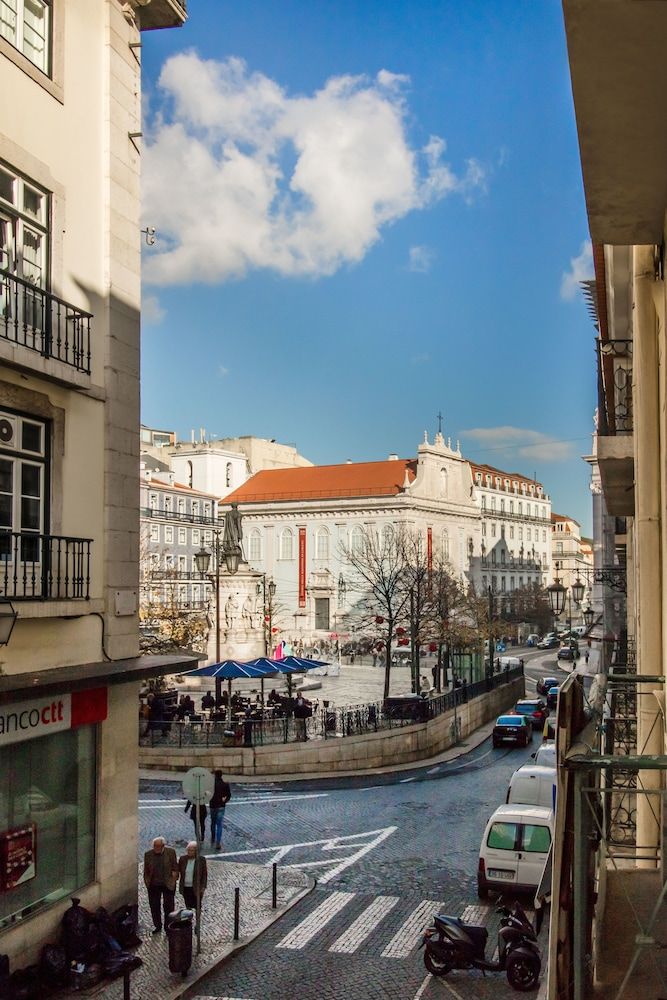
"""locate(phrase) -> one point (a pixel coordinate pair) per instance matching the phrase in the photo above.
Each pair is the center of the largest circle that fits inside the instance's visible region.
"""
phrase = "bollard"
(274, 887)
(237, 901)
(126, 984)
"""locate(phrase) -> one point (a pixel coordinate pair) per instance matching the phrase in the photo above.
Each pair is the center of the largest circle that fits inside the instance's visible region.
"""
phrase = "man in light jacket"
(160, 876)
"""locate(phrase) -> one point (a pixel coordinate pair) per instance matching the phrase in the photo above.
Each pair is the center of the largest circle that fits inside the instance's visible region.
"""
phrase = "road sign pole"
(197, 872)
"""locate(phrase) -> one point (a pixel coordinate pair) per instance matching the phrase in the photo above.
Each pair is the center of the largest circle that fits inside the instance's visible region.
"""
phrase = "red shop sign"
(17, 857)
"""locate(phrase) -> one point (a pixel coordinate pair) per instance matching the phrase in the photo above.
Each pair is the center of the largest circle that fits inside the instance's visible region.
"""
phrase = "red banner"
(429, 559)
(17, 857)
(302, 567)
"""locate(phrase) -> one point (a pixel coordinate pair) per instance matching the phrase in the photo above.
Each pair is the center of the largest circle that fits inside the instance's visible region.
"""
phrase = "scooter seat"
(475, 932)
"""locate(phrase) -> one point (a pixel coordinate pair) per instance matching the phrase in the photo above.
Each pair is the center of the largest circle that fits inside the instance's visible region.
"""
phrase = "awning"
(82, 676)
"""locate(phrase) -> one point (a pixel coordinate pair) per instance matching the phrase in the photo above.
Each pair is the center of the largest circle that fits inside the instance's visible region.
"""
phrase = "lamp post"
(557, 595)
(232, 557)
(491, 642)
(265, 588)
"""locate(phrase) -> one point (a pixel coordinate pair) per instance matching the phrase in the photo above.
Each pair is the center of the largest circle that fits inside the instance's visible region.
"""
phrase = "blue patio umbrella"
(230, 670)
(287, 665)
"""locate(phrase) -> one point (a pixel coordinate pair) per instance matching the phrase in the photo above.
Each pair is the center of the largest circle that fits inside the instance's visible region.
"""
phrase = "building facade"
(69, 447)
(572, 557)
(515, 531)
(298, 523)
(176, 522)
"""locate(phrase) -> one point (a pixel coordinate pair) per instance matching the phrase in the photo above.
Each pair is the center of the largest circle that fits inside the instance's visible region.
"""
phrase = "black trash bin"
(179, 936)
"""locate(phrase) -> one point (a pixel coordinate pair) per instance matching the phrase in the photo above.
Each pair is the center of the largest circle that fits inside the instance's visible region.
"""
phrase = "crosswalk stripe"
(407, 936)
(315, 921)
(365, 923)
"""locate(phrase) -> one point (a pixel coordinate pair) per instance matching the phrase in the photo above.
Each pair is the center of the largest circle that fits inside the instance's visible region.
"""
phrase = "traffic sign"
(198, 785)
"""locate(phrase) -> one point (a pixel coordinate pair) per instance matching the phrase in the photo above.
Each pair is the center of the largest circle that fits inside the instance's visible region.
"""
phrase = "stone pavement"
(154, 981)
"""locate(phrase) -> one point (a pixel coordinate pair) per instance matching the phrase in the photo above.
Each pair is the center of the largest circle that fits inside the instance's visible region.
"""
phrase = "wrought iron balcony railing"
(37, 567)
(172, 515)
(34, 318)
(614, 387)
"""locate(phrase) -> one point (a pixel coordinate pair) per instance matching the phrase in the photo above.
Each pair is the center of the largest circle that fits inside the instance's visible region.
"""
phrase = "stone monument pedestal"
(240, 616)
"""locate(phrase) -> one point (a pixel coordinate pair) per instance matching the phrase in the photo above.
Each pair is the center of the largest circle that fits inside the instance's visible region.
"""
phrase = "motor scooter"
(452, 944)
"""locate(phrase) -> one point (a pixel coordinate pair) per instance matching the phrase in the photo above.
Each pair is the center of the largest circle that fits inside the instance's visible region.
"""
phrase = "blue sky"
(367, 213)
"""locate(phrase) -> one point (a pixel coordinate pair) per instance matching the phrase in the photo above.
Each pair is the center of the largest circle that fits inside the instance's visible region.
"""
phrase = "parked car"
(548, 642)
(532, 639)
(514, 849)
(534, 709)
(533, 785)
(545, 755)
(552, 696)
(512, 729)
(544, 683)
(568, 652)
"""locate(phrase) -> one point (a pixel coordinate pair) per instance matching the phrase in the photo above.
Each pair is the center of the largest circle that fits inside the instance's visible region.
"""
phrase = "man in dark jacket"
(222, 793)
(191, 809)
(160, 875)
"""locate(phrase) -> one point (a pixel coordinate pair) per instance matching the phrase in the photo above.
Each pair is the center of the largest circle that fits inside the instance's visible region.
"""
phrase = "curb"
(183, 989)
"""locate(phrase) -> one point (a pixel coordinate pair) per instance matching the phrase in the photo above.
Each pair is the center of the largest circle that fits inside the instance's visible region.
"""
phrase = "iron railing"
(614, 387)
(34, 318)
(174, 515)
(326, 723)
(36, 567)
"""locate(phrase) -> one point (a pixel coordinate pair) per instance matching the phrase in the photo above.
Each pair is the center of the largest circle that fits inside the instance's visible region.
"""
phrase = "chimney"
(393, 458)
(192, 435)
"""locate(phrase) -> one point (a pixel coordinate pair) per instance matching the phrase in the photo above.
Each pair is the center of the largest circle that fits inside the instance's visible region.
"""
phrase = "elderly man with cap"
(160, 877)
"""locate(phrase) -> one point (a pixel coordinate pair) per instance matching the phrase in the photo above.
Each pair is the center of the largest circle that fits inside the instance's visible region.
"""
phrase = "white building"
(515, 530)
(296, 523)
(572, 556)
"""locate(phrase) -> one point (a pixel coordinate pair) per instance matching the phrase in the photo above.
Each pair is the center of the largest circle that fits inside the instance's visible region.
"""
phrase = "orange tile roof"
(515, 477)
(320, 482)
(564, 517)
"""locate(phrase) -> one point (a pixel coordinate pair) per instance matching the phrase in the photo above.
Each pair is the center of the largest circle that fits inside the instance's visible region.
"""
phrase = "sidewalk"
(154, 981)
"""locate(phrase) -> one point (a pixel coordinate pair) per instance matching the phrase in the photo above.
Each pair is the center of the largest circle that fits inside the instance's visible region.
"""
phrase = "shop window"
(49, 784)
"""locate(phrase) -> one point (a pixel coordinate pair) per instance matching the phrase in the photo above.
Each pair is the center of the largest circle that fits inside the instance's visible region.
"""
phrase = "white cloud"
(238, 174)
(420, 359)
(420, 259)
(151, 310)
(523, 443)
(222, 371)
(581, 269)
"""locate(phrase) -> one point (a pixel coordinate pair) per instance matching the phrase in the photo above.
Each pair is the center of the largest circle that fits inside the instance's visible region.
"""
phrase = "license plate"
(502, 876)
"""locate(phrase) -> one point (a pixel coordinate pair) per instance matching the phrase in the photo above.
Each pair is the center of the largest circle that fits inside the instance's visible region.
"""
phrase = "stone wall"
(372, 750)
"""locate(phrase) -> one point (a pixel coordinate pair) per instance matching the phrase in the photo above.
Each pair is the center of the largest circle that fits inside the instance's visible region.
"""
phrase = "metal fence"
(328, 722)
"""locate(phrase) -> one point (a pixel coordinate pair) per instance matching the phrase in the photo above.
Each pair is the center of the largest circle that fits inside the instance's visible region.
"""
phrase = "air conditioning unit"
(8, 430)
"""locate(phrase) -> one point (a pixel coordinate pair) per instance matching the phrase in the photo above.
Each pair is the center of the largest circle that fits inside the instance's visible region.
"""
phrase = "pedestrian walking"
(160, 877)
(192, 873)
(203, 813)
(222, 793)
(588, 653)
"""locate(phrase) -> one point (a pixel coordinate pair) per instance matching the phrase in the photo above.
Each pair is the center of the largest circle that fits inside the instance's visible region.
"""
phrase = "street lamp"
(557, 594)
(263, 588)
(232, 557)
(589, 616)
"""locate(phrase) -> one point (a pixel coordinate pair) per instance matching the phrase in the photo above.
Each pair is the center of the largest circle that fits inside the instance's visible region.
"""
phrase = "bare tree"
(378, 561)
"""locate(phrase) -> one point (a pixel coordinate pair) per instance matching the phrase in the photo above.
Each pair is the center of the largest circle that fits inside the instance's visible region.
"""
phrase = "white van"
(514, 849)
(545, 755)
(531, 785)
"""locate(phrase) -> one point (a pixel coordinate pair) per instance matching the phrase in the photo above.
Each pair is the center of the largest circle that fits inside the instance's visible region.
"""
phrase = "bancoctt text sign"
(27, 720)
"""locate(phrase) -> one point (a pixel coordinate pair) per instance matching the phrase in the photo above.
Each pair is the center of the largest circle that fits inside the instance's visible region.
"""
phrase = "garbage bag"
(53, 966)
(4, 976)
(125, 921)
(119, 964)
(75, 925)
(24, 984)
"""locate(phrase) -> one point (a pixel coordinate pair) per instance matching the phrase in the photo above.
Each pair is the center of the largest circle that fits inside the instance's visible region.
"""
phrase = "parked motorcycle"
(452, 944)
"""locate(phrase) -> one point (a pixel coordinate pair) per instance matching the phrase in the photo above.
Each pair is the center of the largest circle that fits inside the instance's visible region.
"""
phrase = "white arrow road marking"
(408, 935)
(359, 843)
(315, 921)
(420, 992)
(364, 925)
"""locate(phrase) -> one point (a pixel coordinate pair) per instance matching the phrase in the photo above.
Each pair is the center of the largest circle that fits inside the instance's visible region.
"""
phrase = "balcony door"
(23, 492)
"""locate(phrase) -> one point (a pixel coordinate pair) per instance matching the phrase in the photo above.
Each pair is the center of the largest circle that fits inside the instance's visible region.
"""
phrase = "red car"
(535, 710)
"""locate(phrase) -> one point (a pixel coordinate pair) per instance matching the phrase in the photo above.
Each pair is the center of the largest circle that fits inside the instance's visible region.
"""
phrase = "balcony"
(173, 515)
(34, 318)
(615, 452)
(162, 14)
(44, 567)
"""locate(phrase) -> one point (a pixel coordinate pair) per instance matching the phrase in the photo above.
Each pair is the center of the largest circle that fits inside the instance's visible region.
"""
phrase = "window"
(196, 593)
(502, 836)
(286, 549)
(502, 583)
(483, 503)
(169, 561)
(188, 469)
(195, 508)
(493, 530)
(559, 548)
(511, 583)
(493, 503)
(502, 506)
(502, 557)
(23, 485)
(181, 505)
(24, 213)
(536, 839)
(445, 542)
(444, 485)
(483, 529)
(182, 564)
(528, 534)
(387, 536)
(357, 540)
(493, 556)
(50, 782)
(520, 534)
(155, 532)
(502, 530)
(544, 536)
(484, 583)
(511, 531)
(195, 536)
(511, 506)
(26, 25)
(321, 543)
(169, 534)
(207, 510)
(208, 537)
(228, 474)
(255, 546)
(182, 594)
(182, 536)
(520, 582)
(152, 501)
